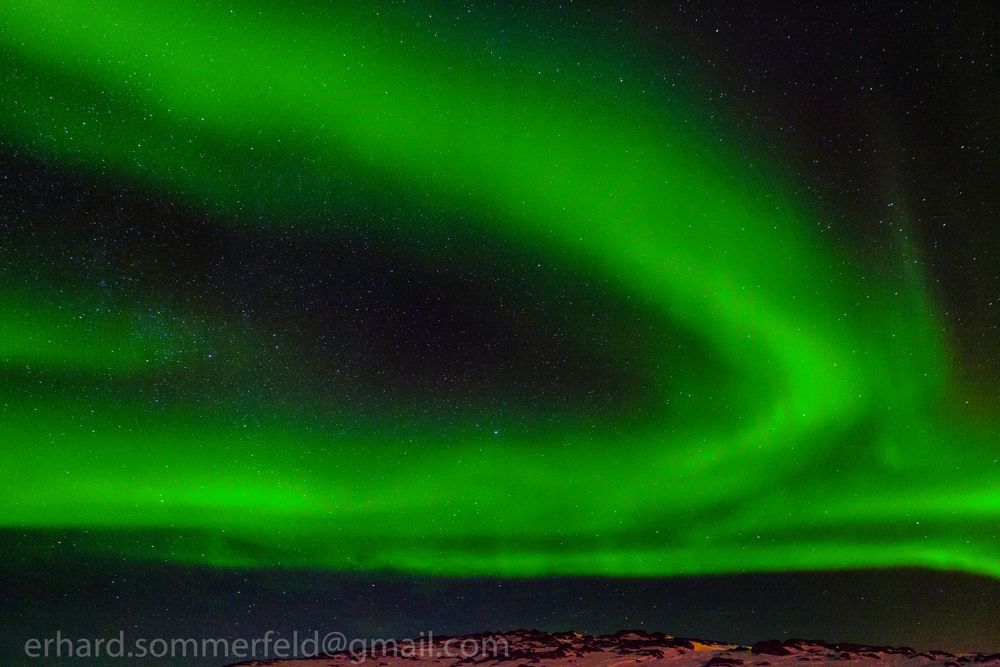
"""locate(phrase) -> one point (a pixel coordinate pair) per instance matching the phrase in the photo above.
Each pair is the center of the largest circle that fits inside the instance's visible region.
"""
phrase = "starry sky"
(688, 307)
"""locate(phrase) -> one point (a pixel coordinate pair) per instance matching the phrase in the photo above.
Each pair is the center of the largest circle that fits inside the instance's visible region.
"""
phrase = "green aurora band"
(836, 438)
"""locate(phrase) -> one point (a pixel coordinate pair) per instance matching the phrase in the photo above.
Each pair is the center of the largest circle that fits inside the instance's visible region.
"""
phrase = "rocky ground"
(533, 647)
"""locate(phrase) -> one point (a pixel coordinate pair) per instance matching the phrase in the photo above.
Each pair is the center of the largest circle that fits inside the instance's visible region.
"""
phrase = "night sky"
(395, 317)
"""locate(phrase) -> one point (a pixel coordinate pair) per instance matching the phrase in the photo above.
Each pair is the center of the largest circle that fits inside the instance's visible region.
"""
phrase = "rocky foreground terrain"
(630, 647)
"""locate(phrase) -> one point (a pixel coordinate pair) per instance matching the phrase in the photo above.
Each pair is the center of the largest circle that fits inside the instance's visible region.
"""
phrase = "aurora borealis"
(361, 288)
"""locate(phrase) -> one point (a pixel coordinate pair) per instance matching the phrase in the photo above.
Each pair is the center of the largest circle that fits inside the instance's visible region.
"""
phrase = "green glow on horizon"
(843, 450)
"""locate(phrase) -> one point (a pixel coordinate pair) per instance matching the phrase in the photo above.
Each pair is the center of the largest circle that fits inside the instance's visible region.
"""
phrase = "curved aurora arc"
(839, 452)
